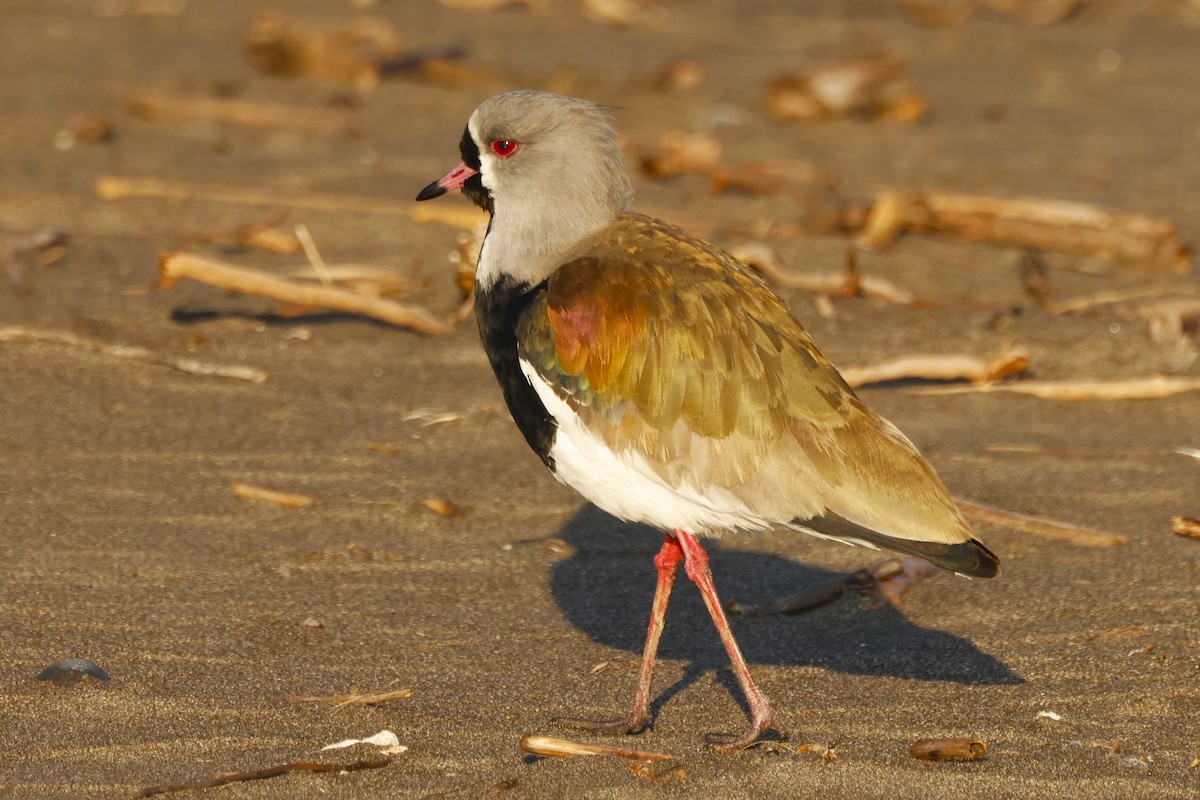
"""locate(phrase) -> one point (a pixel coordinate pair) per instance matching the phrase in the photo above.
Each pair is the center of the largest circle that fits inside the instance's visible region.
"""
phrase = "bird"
(667, 383)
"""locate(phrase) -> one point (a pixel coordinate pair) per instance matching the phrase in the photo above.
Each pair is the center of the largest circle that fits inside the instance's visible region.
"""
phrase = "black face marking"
(473, 188)
(468, 150)
(498, 310)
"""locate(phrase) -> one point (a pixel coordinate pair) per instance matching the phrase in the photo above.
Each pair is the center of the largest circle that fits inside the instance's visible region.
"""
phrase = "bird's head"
(542, 155)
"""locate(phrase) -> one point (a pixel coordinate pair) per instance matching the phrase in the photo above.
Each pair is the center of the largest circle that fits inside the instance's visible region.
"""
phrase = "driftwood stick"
(262, 774)
(1061, 225)
(176, 266)
(939, 368)
(549, 746)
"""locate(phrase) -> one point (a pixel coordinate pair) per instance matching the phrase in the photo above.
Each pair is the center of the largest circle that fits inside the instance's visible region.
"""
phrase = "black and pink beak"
(452, 180)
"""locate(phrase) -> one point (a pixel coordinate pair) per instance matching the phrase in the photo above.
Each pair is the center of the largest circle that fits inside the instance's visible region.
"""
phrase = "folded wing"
(671, 350)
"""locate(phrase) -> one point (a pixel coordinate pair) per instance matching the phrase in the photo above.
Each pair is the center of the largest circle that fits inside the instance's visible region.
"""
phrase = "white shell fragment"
(385, 739)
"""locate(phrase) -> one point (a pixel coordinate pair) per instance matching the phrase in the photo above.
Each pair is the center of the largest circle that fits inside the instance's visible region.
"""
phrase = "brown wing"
(669, 347)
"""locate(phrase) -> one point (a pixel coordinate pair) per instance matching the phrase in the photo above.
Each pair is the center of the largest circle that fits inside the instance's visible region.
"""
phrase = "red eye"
(505, 147)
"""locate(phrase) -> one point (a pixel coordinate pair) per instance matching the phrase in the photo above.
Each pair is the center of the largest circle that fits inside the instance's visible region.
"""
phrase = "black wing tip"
(970, 558)
(966, 558)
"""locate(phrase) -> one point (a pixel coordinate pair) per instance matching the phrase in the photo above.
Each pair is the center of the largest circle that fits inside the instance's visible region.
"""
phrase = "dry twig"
(176, 266)
(1087, 537)
(256, 775)
(1150, 387)
(285, 499)
(354, 699)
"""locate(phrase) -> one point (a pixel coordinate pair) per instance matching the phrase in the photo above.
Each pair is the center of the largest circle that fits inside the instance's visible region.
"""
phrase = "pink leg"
(762, 717)
(667, 563)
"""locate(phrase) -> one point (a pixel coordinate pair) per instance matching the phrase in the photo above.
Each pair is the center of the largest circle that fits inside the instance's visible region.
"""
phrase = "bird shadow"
(606, 587)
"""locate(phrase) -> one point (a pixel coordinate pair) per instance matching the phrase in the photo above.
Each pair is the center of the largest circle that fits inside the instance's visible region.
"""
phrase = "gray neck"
(528, 246)
(534, 230)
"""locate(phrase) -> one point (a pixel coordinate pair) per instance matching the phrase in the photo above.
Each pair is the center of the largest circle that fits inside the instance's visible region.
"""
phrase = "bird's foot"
(629, 724)
(730, 743)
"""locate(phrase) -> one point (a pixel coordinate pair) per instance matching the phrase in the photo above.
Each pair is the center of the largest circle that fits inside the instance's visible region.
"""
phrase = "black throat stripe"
(498, 310)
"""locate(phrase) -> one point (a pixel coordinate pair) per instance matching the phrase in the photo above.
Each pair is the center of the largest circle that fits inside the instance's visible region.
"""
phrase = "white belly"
(625, 485)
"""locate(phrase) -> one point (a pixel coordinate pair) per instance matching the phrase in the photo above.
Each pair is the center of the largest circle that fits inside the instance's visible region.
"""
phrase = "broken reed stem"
(1065, 226)
(154, 105)
(1076, 534)
(112, 187)
(176, 266)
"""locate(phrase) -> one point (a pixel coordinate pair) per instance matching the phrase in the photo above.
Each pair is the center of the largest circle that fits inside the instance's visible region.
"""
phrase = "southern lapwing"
(665, 381)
